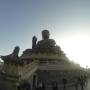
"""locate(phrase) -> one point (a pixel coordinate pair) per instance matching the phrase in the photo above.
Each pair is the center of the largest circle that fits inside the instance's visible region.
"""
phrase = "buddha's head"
(45, 34)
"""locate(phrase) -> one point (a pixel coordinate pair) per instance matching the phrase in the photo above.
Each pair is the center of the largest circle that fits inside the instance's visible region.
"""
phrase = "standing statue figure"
(54, 86)
(40, 86)
(34, 40)
(64, 82)
(11, 57)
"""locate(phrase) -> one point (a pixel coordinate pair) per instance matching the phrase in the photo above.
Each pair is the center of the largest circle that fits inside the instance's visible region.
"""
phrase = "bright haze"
(67, 20)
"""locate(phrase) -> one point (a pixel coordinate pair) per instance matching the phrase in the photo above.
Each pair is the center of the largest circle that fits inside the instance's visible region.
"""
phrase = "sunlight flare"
(77, 48)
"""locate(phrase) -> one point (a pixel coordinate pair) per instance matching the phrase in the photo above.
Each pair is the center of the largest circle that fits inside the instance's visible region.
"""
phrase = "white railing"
(28, 69)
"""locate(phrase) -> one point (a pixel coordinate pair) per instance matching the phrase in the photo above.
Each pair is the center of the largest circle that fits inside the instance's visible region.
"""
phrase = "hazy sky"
(67, 20)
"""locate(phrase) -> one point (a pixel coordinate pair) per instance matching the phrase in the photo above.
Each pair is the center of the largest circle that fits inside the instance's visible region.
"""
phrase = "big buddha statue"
(46, 45)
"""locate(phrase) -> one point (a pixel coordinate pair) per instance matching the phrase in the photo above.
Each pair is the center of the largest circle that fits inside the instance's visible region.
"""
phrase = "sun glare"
(77, 48)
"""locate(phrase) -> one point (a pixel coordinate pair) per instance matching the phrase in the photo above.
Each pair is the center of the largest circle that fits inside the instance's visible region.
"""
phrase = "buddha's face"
(45, 34)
